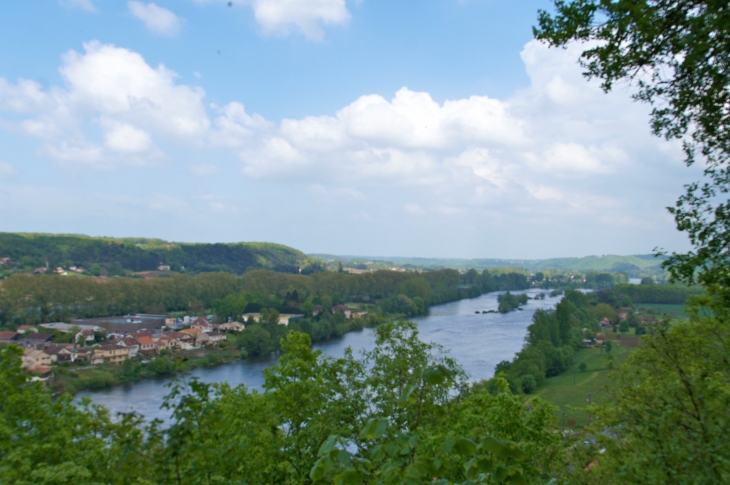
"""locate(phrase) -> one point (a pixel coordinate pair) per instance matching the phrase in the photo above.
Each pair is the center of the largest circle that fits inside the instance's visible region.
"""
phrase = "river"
(476, 341)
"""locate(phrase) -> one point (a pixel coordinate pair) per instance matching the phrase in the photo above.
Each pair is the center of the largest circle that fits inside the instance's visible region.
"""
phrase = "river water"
(476, 341)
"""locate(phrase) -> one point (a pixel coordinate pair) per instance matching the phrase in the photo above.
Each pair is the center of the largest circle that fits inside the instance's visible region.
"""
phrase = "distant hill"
(122, 255)
(633, 265)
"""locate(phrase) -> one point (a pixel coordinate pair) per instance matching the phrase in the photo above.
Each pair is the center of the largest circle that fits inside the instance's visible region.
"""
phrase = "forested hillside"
(119, 256)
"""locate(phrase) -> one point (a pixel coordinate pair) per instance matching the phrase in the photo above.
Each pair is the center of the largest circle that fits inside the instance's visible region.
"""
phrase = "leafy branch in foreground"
(677, 53)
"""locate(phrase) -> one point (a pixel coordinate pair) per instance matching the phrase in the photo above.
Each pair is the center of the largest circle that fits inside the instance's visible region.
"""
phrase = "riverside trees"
(401, 413)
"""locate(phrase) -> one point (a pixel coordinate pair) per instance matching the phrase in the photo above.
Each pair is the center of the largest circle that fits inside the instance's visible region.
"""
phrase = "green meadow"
(571, 390)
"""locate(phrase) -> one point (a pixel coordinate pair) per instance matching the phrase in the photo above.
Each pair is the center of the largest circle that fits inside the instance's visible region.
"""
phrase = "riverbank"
(74, 378)
(478, 342)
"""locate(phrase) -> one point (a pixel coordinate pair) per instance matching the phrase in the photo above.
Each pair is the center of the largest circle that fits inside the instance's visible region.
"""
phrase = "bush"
(582, 366)
(528, 383)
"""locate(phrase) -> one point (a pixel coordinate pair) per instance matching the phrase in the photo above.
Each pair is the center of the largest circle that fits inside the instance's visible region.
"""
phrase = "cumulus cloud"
(157, 19)
(284, 17)
(113, 88)
(559, 146)
(87, 5)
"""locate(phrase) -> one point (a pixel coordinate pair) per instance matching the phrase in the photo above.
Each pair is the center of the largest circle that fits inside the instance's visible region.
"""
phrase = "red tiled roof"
(144, 340)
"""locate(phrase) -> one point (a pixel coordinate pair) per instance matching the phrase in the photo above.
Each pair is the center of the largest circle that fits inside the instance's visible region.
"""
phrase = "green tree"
(669, 409)
(677, 54)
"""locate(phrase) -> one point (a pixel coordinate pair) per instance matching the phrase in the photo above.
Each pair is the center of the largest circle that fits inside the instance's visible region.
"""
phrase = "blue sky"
(429, 128)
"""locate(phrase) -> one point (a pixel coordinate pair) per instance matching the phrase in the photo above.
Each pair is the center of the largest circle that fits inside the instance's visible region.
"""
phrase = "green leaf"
(492, 445)
(328, 445)
(375, 428)
(348, 477)
(406, 394)
(465, 447)
(320, 468)
(436, 375)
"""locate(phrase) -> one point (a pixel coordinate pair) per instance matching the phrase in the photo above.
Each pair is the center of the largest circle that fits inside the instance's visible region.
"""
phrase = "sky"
(428, 128)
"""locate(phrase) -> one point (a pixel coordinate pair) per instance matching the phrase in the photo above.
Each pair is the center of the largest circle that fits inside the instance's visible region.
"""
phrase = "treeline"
(28, 299)
(118, 256)
(550, 343)
(662, 294)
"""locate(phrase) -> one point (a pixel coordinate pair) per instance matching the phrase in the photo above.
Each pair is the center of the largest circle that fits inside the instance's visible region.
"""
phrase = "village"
(116, 340)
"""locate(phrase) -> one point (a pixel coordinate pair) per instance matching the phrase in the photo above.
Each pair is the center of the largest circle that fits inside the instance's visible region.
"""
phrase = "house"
(110, 353)
(8, 337)
(232, 327)
(166, 342)
(61, 352)
(605, 323)
(647, 319)
(163, 267)
(40, 270)
(27, 328)
(60, 271)
(213, 338)
(4, 261)
(82, 354)
(183, 340)
(131, 343)
(33, 358)
(35, 340)
(146, 344)
(201, 324)
(284, 318)
(85, 336)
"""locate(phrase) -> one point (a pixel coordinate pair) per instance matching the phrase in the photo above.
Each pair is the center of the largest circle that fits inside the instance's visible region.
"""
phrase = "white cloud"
(157, 19)
(6, 170)
(537, 154)
(117, 91)
(126, 138)
(87, 5)
(283, 17)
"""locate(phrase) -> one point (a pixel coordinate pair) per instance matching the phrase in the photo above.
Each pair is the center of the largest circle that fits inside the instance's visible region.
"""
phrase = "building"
(284, 318)
(35, 340)
(111, 353)
(85, 336)
(131, 343)
(163, 267)
(212, 338)
(62, 352)
(146, 343)
(9, 337)
(70, 327)
(124, 324)
(27, 328)
(201, 324)
(183, 340)
(232, 327)
(33, 358)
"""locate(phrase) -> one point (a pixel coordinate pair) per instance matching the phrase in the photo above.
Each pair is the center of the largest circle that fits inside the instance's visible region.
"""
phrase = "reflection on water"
(477, 341)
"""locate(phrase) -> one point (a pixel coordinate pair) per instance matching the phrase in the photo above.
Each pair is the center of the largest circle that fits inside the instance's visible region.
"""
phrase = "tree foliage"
(677, 54)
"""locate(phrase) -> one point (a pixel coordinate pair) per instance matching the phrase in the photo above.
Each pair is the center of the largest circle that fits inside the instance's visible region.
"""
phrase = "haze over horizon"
(430, 129)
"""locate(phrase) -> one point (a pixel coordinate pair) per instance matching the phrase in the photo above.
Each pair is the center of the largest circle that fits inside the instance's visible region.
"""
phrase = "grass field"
(665, 309)
(569, 391)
